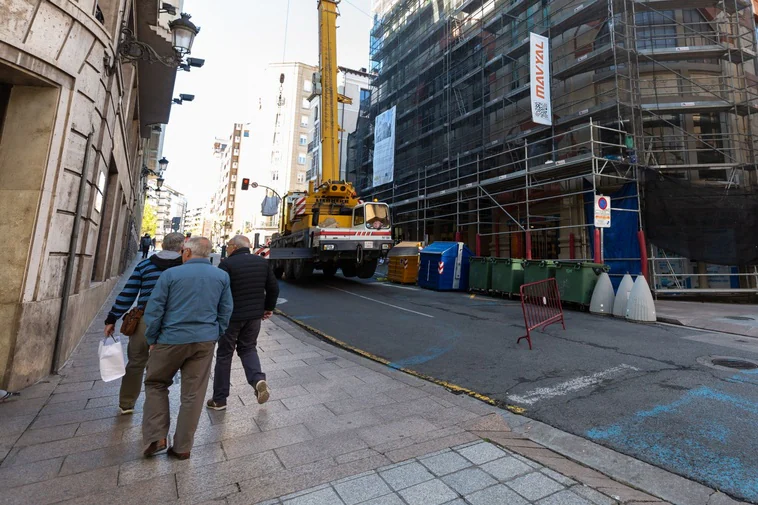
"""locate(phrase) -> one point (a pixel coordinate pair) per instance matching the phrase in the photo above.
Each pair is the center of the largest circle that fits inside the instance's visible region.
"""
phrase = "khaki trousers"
(137, 352)
(194, 360)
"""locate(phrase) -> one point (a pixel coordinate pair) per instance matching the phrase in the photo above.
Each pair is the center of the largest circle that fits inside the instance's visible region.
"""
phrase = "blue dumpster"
(444, 266)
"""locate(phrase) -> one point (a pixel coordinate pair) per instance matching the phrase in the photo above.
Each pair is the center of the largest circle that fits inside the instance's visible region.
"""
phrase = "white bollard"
(641, 307)
(622, 296)
(602, 296)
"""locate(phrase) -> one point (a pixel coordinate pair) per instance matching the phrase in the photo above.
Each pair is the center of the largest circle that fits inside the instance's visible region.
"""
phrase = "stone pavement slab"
(339, 429)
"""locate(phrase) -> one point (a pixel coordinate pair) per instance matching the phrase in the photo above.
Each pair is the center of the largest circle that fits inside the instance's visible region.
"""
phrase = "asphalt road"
(639, 389)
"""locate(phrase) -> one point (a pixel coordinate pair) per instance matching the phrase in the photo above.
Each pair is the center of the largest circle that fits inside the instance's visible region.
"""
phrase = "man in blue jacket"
(188, 310)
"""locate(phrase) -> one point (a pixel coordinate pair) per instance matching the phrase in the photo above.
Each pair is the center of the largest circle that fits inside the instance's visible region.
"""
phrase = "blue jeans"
(242, 335)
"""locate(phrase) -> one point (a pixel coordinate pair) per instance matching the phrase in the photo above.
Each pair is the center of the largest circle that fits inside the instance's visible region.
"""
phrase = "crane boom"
(330, 159)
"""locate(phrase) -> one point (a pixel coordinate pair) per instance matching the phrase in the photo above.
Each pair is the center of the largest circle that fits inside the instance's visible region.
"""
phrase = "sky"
(237, 39)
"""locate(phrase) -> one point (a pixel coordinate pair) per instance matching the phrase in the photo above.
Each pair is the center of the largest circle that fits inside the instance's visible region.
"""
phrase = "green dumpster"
(576, 280)
(480, 274)
(538, 270)
(507, 275)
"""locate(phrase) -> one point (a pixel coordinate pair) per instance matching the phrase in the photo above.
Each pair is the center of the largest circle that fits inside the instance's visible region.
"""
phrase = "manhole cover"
(739, 318)
(737, 364)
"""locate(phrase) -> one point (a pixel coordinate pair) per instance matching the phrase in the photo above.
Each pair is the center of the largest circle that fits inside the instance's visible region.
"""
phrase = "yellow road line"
(447, 385)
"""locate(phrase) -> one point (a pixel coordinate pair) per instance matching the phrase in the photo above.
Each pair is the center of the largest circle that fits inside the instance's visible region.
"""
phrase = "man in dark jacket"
(145, 244)
(254, 291)
(141, 283)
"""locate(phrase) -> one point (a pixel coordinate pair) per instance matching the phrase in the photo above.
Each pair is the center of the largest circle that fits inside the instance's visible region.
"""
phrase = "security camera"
(186, 98)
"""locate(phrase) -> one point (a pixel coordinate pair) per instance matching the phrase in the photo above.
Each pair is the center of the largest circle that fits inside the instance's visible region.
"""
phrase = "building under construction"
(653, 104)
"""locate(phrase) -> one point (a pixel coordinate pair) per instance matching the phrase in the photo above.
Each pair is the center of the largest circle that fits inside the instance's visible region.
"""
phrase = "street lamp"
(159, 182)
(162, 164)
(183, 33)
(129, 49)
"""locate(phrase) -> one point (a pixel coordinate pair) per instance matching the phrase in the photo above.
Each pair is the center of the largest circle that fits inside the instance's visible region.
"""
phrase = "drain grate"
(737, 364)
(740, 318)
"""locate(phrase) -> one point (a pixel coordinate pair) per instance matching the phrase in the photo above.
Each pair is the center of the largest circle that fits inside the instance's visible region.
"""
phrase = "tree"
(149, 220)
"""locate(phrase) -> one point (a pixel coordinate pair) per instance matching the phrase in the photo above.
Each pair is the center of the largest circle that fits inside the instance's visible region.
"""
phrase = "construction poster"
(384, 147)
(539, 67)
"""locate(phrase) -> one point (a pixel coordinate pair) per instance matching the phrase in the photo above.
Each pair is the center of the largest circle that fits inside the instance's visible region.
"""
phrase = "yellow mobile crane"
(329, 227)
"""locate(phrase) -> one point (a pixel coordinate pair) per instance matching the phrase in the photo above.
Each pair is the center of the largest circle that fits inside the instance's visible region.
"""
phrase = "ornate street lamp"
(159, 182)
(162, 164)
(183, 32)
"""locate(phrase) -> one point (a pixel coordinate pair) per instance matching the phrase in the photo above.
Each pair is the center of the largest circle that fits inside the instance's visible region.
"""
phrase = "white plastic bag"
(111, 359)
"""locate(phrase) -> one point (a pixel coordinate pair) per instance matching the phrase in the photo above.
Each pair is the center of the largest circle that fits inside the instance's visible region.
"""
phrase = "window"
(235, 164)
(315, 113)
(277, 138)
(237, 138)
(275, 175)
(301, 159)
(365, 96)
(377, 216)
(234, 178)
(307, 86)
(236, 152)
(358, 218)
(301, 178)
(306, 104)
(246, 134)
(276, 156)
(303, 140)
(304, 121)
(100, 191)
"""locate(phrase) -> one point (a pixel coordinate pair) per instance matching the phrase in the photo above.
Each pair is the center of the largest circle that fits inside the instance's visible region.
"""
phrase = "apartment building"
(355, 84)
(652, 103)
(75, 119)
(170, 209)
(194, 221)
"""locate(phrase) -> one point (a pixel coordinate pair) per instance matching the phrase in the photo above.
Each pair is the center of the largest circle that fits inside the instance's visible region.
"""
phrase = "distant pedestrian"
(145, 244)
(188, 236)
(254, 291)
(223, 251)
(187, 312)
(152, 244)
(140, 283)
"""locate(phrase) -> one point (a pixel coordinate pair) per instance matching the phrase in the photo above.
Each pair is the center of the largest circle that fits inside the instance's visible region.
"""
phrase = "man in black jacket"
(254, 292)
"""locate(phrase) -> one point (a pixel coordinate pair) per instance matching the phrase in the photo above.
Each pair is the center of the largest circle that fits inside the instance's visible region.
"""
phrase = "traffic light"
(245, 183)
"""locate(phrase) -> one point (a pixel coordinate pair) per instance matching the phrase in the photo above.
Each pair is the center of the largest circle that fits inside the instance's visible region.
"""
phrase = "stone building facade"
(70, 109)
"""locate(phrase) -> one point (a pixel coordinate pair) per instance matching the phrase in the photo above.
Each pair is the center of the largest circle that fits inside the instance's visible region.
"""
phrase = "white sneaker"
(261, 391)
(126, 411)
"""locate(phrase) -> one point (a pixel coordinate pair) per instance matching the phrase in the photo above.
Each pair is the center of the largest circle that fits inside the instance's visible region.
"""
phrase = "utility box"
(538, 270)
(444, 266)
(576, 280)
(507, 275)
(480, 274)
(403, 263)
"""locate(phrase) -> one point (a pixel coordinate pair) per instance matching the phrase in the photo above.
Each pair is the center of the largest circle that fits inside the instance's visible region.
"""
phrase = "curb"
(447, 385)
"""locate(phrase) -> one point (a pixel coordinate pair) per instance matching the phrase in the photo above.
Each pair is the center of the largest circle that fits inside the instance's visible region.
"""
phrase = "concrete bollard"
(641, 307)
(622, 296)
(602, 296)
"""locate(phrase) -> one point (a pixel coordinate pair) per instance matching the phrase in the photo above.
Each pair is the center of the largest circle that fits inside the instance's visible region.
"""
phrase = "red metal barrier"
(541, 303)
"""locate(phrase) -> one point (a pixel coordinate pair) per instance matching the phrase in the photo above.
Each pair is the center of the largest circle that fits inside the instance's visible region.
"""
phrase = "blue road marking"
(428, 354)
(704, 448)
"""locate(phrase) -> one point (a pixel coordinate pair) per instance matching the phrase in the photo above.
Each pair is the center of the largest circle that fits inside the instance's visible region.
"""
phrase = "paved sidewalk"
(339, 429)
(737, 318)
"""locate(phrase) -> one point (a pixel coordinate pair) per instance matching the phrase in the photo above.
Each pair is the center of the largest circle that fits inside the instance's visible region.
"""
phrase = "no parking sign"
(602, 211)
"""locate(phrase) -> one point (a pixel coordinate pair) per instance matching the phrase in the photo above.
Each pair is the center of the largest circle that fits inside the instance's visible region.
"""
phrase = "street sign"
(253, 185)
(602, 211)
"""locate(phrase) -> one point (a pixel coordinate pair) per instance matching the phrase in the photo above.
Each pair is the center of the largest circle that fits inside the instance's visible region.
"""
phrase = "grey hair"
(200, 246)
(240, 241)
(173, 242)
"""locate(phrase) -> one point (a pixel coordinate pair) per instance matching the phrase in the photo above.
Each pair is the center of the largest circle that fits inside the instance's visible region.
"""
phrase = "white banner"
(384, 147)
(539, 71)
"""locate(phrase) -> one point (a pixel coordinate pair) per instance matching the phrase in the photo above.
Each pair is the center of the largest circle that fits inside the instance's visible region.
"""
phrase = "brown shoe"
(155, 447)
(261, 391)
(178, 455)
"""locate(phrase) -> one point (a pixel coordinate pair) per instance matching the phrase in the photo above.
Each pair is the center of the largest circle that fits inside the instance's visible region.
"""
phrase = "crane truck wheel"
(366, 269)
(279, 272)
(302, 269)
(289, 270)
(329, 270)
(349, 268)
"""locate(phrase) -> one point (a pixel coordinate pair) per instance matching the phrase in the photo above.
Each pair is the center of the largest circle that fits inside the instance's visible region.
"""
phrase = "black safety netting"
(717, 225)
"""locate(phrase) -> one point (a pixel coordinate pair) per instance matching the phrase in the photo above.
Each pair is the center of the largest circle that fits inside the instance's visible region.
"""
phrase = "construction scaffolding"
(640, 89)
